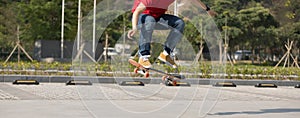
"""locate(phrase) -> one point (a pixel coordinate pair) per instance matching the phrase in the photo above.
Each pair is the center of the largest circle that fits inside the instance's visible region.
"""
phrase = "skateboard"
(168, 78)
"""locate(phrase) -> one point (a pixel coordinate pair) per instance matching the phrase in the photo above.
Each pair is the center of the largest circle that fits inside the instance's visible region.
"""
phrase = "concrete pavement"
(49, 100)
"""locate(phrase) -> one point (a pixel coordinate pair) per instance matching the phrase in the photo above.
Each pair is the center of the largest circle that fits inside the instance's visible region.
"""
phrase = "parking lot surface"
(57, 100)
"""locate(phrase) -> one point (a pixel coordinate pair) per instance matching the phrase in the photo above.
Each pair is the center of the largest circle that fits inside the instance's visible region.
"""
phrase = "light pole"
(177, 5)
(94, 29)
(78, 28)
(62, 30)
(175, 8)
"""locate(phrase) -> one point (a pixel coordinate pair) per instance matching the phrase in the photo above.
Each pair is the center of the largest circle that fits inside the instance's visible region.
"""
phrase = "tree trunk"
(220, 52)
(106, 47)
(199, 54)
(253, 54)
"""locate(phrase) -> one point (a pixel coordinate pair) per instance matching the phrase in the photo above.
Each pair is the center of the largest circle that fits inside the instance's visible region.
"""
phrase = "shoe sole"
(165, 61)
(146, 66)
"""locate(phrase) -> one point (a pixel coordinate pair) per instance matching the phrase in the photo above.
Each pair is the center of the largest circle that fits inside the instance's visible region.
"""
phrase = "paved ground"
(49, 100)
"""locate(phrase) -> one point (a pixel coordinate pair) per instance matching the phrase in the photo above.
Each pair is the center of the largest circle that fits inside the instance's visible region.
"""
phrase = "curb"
(112, 80)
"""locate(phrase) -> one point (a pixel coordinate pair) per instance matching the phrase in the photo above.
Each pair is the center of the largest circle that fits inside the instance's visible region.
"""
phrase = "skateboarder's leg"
(176, 25)
(147, 24)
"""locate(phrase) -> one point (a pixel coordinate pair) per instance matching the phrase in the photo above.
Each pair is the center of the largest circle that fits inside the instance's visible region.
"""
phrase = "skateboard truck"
(169, 81)
(142, 71)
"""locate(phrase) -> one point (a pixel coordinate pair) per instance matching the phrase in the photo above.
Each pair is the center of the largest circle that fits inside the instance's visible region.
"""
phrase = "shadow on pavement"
(263, 111)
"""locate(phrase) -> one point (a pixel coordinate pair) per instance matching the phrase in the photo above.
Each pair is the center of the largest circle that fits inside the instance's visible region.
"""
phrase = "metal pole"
(94, 29)
(175, 8)
(78, 28)
(124, 38)
(62, 30)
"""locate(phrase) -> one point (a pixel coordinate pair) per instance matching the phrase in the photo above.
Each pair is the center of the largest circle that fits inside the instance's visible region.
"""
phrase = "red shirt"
(155, 8)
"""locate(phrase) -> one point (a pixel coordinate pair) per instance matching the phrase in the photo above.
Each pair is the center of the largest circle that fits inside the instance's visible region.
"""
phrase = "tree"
(254, 20)
(40, 19)
(291, 32)
(226, 21)
(8, 25)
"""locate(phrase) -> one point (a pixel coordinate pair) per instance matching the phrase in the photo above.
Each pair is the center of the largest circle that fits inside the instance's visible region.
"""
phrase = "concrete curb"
(104, 80)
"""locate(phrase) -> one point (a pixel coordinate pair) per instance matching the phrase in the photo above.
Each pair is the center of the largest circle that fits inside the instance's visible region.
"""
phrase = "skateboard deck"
(168, 78)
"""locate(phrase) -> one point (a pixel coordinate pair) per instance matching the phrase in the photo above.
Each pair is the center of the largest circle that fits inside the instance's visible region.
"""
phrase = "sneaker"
(167, 59)
(145, 62)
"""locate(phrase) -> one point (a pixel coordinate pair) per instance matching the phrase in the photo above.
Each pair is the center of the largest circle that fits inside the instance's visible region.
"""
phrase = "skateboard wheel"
(170, 82)
(167, 83)
(136, 70)
(147, 74)
(174, 83)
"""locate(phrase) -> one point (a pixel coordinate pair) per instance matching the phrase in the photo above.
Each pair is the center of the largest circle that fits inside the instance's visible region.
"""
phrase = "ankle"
(165, 52)
(145, 57)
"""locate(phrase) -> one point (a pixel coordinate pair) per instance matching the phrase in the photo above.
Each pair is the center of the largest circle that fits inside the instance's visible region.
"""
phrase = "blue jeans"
(148, 23)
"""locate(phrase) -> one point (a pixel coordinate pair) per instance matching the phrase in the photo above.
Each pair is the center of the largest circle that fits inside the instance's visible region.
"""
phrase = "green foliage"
(39, 17)
(254, 21)
(203, 70)
(8, 24)
(55, 68)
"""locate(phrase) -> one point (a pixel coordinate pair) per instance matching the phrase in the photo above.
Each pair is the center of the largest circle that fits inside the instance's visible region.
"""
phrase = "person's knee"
(148, 22)
(180, 25)
(150, 19)
(147, 18)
